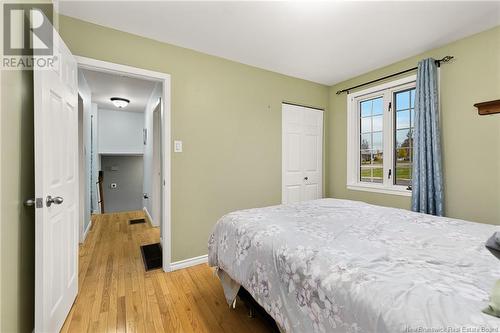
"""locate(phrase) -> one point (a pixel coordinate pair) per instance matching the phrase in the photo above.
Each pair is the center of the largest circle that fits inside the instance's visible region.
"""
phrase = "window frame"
(387, 92)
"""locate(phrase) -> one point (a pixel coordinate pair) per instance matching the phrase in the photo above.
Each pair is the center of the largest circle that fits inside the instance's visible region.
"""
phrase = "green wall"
(228, 116)
(17, 227)
(471, 143)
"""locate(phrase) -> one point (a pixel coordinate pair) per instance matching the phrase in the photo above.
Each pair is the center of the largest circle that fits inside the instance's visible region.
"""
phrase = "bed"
(334, 265)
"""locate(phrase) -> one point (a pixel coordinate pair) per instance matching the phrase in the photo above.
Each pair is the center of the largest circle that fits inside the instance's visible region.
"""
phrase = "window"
(380, 137)
(404, 117)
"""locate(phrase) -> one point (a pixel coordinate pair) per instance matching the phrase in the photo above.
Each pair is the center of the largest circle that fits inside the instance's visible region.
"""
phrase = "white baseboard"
(86, 232)
(189, 262)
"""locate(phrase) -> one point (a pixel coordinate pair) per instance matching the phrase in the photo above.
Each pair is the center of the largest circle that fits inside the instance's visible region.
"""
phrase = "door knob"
(56, 200)
(35, 202)
(30, 202)
(306, 178)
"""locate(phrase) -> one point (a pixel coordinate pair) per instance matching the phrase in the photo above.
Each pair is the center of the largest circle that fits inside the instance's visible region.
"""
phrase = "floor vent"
(151, 255)
(137, 221)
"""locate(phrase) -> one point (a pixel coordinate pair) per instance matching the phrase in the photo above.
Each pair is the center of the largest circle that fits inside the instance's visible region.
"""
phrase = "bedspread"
(333, 265)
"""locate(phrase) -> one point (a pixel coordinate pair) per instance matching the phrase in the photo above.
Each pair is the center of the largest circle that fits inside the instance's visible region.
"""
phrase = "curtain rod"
(438, 63)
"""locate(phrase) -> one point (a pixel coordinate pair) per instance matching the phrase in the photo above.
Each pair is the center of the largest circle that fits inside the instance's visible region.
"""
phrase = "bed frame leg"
(251, 312)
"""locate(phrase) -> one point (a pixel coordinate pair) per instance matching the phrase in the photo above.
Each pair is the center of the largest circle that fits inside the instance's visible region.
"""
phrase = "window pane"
(366, 141)
(371, 140)
(377, 143)
(366, 174)
(402, 119)
(378, 173)
(403, 138)
(402, 100)
(403, 155)
(378, 123)
(366, 108)
(403, 166)
(371, 174)
(378, 158)
(404, 122)
(366, 157)
(378, 105)
(366, 124)
(403, 174)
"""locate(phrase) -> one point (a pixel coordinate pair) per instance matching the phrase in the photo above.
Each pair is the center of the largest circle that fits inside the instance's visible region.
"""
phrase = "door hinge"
(390, 107)
(390, 174)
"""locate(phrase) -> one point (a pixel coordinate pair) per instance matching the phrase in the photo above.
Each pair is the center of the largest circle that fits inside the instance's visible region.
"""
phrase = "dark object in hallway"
(137, 221)
(100, 180)
(151, 255)
(254, 309)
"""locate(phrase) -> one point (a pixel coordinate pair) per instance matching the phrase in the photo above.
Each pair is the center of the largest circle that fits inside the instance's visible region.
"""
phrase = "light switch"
(177, 146)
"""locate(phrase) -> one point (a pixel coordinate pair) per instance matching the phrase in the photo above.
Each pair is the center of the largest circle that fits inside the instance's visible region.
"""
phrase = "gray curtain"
(427, 186)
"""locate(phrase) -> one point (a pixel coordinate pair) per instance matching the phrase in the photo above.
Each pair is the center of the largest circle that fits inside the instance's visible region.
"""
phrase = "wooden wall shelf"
(486, 108)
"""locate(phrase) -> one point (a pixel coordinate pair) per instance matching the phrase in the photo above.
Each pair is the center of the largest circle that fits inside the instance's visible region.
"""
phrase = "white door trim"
(104, 66)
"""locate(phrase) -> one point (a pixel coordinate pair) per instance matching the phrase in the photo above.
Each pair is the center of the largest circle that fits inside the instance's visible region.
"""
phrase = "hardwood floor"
(116, 294)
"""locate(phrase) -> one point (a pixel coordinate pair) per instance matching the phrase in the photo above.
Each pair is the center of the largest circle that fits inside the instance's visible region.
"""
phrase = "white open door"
(56, 189)
(302, 153)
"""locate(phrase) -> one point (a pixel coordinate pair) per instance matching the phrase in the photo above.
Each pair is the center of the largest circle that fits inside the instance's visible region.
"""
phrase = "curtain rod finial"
(446, 59)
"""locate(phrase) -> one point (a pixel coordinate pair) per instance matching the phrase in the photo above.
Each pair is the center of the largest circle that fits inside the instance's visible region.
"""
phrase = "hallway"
(117, 295)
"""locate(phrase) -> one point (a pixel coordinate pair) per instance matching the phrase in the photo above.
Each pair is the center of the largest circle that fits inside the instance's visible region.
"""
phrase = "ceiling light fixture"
(120, 102)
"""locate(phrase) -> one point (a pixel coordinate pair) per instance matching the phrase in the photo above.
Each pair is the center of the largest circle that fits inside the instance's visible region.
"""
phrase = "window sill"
(396, 190)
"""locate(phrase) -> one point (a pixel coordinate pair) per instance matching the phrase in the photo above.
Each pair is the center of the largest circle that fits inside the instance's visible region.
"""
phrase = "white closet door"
(302, 153)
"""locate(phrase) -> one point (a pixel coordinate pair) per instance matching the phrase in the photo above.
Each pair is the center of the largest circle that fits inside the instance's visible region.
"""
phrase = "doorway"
(153, 151)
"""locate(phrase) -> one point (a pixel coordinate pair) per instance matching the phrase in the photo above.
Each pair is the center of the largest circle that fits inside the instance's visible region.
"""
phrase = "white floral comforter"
(342, 266)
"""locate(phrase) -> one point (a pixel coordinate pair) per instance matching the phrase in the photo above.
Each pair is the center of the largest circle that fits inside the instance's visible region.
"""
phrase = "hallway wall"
(85, 94)
(120, 132)
(127, 173)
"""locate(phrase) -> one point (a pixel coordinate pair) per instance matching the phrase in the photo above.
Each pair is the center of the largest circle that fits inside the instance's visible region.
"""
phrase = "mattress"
(333, 265)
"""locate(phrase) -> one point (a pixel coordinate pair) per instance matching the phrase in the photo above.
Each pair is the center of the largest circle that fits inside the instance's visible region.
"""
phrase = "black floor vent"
(151, 255)
(137, 221)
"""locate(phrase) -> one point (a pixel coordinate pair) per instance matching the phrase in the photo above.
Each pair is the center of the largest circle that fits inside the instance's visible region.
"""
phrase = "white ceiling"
(104, 86)
(324, 42)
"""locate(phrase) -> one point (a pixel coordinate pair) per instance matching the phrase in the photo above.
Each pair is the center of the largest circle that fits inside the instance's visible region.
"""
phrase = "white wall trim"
(189, 262)
(148, 216)
(85, 232)
(123, 153)
(165, 79)
(395, 190)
